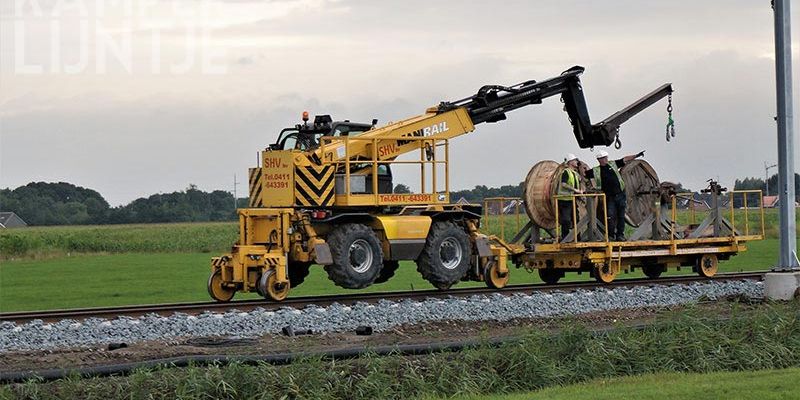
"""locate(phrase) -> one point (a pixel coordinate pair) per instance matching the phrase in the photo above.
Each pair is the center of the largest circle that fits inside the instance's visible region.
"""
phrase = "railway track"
(298, 302)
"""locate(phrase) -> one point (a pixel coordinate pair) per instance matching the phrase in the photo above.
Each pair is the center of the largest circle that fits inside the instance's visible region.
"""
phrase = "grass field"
(762, 385)
(83, 266)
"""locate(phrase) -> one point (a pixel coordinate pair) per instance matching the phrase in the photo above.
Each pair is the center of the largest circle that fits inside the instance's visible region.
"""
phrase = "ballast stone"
(382, 316)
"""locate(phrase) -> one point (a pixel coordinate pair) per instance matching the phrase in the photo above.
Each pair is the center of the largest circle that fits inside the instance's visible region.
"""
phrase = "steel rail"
(349, 299)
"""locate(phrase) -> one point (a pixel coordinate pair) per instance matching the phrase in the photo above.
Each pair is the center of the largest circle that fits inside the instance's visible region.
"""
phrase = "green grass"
(135, 278)
(753, 338)
(762, 385)
(64, 267)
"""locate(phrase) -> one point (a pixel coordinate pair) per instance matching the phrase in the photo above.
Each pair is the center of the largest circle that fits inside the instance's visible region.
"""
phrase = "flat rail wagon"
(670, 238)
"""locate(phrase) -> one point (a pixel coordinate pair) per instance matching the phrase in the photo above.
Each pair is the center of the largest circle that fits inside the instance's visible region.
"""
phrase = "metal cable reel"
(641, 190)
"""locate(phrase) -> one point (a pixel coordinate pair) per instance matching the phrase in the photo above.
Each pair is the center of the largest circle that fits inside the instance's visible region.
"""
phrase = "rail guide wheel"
(269, 286)
(605, 272)
(494, 279)
(707, 265)
(217, 289)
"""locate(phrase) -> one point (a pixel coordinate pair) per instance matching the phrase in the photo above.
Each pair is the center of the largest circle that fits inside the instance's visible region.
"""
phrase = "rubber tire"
(550, 276)
(429, 263)
(340, 272)
(298, 271)
(653, 271)
(388, 270)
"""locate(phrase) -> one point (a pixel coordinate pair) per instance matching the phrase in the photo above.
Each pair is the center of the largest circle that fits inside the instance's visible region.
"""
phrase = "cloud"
(132, 134)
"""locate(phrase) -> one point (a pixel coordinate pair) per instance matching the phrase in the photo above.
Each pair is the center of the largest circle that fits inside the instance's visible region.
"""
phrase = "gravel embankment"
(381, 316)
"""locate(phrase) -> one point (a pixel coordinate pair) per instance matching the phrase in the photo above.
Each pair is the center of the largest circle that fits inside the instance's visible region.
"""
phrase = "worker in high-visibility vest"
(606, 177)
(570, 183)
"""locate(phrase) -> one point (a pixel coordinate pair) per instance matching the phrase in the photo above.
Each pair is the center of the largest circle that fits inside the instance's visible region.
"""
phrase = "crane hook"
(670, 130)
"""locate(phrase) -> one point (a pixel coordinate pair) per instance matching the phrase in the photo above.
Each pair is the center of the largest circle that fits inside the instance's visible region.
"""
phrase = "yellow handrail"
(427, 156)
(572, 198)
(502, 200)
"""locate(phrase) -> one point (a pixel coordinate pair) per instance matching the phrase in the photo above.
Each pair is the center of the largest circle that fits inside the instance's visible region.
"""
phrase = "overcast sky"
(138, 97)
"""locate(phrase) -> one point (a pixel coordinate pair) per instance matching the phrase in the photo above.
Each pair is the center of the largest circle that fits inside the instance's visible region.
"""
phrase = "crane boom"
(489, 104)
(610, 126)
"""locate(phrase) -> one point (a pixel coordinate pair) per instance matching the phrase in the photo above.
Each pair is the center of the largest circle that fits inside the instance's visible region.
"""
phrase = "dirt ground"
(442, 331)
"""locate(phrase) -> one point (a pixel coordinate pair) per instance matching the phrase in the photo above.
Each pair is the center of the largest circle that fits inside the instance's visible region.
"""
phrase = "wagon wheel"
(217, 289)
(494, 279)
(707, 265)
(604, 272)
(268, 285)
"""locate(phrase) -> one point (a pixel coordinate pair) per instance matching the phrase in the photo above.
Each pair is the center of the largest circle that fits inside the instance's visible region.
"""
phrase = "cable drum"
(539, 187)
(541, 184)
(641, 190)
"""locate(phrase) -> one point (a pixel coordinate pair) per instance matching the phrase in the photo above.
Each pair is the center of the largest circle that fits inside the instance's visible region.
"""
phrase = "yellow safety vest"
(572, 181)
(598, 181)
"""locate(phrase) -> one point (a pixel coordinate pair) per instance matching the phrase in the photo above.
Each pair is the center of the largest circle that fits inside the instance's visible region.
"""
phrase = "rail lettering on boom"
(426, 131)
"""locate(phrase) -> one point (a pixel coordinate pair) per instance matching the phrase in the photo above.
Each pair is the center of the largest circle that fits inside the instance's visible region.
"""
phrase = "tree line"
(761, 184)
(42, 203)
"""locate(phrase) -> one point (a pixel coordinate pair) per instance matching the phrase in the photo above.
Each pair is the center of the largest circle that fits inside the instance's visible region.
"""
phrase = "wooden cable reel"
(539, 187)
(543, 179)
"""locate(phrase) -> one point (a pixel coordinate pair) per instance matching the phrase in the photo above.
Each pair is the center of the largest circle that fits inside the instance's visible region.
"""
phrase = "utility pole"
(235, 199)
(783, 283)
(766, 175)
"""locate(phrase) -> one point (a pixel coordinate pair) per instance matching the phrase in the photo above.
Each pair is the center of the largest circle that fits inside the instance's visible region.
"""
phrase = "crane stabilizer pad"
(322, 254)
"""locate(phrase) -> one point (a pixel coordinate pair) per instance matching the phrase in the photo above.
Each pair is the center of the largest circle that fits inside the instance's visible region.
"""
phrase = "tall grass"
(689, 341)
(217, 237)
(201, 237)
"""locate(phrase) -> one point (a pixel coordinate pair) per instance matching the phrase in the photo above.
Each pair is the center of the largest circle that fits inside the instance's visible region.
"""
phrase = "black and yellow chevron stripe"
(314, 186)
(255, 188)
(218, 261)
(273, 262)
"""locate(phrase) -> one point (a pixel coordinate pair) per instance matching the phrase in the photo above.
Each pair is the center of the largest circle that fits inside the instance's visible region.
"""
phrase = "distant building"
(770, 201)
(11, 220)
(463, 201)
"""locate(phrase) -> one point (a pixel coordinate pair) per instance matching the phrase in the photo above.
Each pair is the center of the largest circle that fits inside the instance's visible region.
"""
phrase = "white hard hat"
(570, 157)
(601, 154)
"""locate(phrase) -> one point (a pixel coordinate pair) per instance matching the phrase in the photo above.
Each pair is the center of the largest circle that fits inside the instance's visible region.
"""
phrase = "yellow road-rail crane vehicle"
(322, 194)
